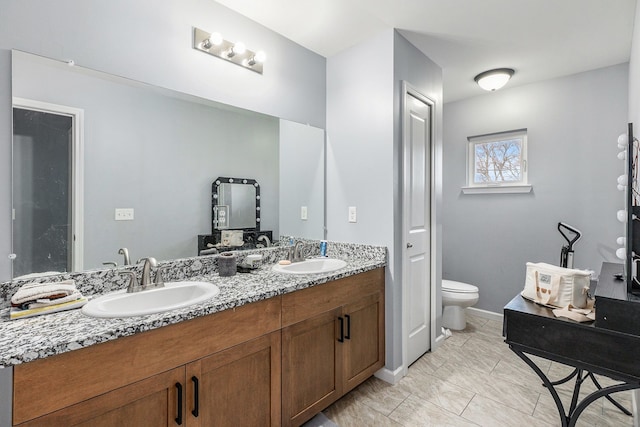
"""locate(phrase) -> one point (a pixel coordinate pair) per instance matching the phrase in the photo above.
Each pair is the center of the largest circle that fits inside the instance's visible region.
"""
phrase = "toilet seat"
(458, 287)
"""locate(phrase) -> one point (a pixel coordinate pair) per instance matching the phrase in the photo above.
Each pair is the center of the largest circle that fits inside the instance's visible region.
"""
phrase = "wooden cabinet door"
(363, 351)
(151, 402)
(239, 386)
(311, 367)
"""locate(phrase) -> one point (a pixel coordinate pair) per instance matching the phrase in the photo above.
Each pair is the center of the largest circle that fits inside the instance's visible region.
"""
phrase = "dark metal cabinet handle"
(179, 417)
(341, 339)
(348, 335)
(196, 396)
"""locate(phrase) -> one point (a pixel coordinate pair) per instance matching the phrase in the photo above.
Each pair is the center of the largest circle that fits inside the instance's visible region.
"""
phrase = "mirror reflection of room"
(159, 151)
(42, 190)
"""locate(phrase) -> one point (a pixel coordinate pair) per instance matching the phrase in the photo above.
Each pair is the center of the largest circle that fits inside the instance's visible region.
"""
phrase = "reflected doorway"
(46, 171)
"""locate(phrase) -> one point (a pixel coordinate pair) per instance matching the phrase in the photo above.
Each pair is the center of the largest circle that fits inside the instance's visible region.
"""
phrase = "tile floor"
(472, 379)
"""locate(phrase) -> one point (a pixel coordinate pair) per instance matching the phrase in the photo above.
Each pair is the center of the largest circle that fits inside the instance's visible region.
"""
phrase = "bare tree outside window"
(498, 161)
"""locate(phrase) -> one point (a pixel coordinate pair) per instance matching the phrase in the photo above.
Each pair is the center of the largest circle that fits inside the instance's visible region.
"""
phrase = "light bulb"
(621, 253)
(239, 48)
(623, 140)
(494, 79)
(622, 155)
(622, 215)
(216, 39)
(622, 179)
(260, 56)
(621, 240)
(621, 187)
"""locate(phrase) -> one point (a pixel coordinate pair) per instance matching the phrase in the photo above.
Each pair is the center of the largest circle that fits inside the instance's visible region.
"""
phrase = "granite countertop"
(25, 340)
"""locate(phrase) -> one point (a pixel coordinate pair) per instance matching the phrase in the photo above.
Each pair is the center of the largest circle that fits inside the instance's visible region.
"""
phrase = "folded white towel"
(44, 302)
(34, 291)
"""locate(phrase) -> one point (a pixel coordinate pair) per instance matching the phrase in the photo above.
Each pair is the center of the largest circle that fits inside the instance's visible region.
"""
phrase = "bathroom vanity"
(271, 349)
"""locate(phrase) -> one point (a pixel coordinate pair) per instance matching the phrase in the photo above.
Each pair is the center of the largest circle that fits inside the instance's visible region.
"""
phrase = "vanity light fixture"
(494, 79)
(215, 45)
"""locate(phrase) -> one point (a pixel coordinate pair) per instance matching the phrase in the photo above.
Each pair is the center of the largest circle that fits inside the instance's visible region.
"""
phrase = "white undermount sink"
(174, 295)
(311, 266)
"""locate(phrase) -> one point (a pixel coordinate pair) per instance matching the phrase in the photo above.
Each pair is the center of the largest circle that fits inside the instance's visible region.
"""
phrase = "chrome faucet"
(296, 254)
(145, 281)
(125, 252)
(266, 240)
(133, 285)
(146, 271)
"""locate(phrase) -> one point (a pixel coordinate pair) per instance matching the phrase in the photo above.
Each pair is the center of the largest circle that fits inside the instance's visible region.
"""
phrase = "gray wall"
(573, 124)
(360, 126)
(363, 143)
(154, 153)
(301, 180)
(421, 73)
(150, 40)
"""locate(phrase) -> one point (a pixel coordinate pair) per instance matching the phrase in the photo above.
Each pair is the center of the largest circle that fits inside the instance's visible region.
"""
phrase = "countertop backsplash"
(101, 281)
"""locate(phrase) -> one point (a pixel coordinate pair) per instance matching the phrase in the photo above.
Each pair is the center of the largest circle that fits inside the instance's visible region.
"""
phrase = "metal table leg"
(569, 419)
(598, 386)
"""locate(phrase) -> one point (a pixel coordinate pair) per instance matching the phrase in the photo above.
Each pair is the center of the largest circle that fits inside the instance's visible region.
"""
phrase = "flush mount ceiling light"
(214, 44)
(494, 79)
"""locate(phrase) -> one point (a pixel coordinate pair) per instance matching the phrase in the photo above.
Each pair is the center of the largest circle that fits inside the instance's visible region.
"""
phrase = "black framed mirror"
(235, 204)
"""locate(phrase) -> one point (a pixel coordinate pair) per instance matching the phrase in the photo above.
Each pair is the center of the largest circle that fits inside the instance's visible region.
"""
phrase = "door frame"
(77, 172)
(407, 89)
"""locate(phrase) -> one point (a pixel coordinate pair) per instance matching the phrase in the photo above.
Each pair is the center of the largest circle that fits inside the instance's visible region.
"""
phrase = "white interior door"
(417, 136)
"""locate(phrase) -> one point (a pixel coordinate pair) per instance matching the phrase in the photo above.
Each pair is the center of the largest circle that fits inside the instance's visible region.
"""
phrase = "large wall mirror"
(137, 163)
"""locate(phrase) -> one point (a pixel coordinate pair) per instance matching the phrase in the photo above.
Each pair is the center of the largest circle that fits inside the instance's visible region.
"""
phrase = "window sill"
(498, 189)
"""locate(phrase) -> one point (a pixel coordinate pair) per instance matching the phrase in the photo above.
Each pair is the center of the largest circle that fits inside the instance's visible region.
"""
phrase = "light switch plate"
(353, 217)
(124, 214)
(303, 213)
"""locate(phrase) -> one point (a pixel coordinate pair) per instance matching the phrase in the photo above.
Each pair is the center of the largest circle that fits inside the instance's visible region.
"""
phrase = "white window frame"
(521, 186)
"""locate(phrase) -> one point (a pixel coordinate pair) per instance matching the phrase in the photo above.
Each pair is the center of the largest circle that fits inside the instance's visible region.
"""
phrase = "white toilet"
(456, 297)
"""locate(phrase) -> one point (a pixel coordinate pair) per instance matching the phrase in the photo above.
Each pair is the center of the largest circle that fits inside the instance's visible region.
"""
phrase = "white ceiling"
(540, 39)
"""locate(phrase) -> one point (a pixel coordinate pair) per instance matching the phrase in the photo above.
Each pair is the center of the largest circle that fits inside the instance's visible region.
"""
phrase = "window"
(497, 163)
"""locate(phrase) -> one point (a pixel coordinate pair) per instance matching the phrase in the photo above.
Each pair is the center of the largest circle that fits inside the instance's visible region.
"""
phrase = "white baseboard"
(388, 376)
(485, 314)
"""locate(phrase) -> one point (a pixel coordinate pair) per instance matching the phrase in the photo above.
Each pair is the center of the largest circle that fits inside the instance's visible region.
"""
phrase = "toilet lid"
(453, 286)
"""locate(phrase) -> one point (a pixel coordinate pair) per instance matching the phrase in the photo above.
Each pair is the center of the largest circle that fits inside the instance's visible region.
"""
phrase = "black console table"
(532, 329)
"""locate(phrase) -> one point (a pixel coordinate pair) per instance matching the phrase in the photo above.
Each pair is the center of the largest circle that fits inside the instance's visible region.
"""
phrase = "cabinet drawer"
(309, 302)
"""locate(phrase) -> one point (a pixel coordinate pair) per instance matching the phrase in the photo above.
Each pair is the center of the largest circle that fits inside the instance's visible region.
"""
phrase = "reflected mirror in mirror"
(152, 154)
(235, 204)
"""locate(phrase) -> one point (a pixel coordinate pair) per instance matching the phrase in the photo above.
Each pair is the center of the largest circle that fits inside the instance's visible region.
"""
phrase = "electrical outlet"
(353, 217)
(303, 213)
(124, 214)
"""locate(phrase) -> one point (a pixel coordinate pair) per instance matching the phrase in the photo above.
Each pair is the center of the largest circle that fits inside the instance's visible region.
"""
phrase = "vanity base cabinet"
(363, 353)
(274, 362)
(311, 376)
(150, 402)
(332, 340)
(122, 379)
(238, 386)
